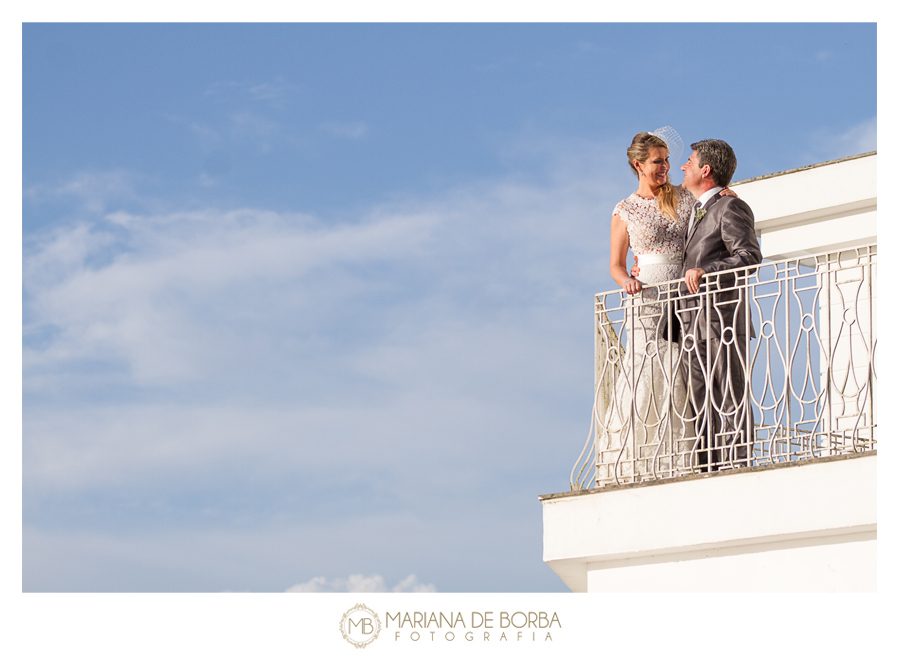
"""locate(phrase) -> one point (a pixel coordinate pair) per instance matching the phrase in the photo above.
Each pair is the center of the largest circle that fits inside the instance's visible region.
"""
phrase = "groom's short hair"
(719, 156)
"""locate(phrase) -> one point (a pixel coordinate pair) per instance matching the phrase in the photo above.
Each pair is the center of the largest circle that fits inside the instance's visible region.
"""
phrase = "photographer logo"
(360, 626)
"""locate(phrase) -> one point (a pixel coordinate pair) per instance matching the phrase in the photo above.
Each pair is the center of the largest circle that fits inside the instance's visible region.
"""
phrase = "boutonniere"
(701, 213)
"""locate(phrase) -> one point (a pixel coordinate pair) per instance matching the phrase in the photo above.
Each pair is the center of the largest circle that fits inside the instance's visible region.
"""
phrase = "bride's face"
(656, 167)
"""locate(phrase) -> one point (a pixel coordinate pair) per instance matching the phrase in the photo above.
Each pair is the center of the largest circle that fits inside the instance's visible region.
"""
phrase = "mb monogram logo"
(360, 626)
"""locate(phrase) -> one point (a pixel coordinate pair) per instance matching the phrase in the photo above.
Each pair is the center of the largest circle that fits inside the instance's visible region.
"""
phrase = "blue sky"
(309, 306)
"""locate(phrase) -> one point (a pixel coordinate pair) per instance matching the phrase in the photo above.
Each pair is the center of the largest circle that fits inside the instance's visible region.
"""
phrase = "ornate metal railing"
(683, 387)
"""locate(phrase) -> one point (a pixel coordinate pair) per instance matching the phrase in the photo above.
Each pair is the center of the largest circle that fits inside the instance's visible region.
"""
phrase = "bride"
(646, 431)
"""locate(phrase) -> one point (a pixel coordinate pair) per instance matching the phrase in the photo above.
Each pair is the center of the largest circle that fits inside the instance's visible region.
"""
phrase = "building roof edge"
(804, 168)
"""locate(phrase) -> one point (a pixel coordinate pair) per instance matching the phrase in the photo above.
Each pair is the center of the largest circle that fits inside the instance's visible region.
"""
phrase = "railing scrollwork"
(774, 363)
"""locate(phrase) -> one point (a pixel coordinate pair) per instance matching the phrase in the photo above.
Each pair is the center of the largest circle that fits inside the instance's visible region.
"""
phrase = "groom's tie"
(693, 216)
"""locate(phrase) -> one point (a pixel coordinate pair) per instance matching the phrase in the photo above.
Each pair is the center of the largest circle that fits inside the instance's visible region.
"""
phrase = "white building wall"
(814, 209)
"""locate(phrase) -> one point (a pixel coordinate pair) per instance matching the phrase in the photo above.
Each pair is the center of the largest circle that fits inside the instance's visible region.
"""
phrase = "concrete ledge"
(775, 509)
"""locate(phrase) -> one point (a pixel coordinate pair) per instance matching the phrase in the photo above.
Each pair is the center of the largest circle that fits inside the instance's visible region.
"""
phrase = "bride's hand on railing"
(632, 285)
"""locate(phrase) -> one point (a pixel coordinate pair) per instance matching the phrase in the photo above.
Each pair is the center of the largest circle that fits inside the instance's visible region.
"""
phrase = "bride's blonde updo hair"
(640, 151)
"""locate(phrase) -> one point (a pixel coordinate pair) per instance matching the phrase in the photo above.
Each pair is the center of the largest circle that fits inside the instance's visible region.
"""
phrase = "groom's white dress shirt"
(709, 194)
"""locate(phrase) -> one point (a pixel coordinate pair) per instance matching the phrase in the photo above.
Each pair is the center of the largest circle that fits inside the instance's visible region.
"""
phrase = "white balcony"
(787, 501)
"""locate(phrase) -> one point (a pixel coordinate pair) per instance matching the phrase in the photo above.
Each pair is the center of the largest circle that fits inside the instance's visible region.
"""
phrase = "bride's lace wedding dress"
(649, 438)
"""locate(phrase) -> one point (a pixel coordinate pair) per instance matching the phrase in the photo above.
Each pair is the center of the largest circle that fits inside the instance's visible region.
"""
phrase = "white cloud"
(274, 92)
(167, 350)
(859, 138)
(255, 128)
(267, 554)
(170, 295)
(145, 303)
(412, 584)
(359, 583)
(354, 583)
(93, 190)
(247, 114)
(350, 130)
(205, 135)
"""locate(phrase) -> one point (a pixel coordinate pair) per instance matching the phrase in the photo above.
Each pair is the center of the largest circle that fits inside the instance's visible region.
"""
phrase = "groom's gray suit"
(718, 324)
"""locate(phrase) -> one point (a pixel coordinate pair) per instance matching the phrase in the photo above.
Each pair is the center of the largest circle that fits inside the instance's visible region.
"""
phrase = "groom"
(715, 325)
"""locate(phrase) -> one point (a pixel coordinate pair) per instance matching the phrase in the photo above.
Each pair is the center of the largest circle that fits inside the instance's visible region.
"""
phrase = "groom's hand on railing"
(692, 278)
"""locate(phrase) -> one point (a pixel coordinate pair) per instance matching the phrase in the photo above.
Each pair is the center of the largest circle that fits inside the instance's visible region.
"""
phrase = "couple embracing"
(680, 404)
